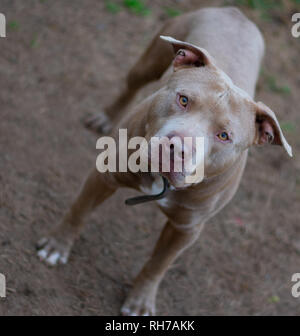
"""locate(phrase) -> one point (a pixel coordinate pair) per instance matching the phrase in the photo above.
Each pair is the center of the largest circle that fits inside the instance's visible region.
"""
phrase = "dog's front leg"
(172, 242)
(55, 248)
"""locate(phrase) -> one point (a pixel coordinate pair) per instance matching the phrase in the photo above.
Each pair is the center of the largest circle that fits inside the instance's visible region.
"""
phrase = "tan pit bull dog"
(207, 91)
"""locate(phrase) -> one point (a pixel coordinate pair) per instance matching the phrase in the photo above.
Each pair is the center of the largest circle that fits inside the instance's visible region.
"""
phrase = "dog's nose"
(177, 148)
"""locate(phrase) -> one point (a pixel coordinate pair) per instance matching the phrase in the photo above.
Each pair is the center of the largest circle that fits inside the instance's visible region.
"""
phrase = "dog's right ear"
(187, 54)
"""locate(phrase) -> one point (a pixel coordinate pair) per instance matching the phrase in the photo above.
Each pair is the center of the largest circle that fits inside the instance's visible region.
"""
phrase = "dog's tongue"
(148, 198)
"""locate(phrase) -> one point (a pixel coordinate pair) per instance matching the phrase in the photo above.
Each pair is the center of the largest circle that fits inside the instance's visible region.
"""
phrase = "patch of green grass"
(263, 6)
(274, 86)
(13, 25)
(137, 6)
(288, 126)
(34, 42)
(112, 7)
(260, 4)
(274, 299)
(172, 12)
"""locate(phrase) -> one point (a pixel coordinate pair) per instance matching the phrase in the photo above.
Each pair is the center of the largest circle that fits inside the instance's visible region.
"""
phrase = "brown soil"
(62, 60)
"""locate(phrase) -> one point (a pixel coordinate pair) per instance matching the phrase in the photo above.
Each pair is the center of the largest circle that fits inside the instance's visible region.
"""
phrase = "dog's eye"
(183, 100)
(223, 136)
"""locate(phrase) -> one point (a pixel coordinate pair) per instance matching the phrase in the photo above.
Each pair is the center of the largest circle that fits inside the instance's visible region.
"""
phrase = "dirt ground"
(64, 59)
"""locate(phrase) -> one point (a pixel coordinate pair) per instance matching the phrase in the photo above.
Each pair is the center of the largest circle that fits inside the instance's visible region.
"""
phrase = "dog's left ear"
(187, 54)
(268, 129)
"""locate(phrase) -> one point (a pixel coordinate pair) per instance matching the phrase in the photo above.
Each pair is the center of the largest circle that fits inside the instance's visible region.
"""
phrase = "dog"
(207, 71)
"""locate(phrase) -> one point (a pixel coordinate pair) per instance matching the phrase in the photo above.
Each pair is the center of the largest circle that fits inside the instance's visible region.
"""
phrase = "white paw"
(142, 305)
(129, 312)
(53, 252)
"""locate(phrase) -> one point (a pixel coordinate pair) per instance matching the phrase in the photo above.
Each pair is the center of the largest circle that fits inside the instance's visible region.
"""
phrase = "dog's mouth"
(169, 172)
(148, 198)
(172, 180)
(175, 179)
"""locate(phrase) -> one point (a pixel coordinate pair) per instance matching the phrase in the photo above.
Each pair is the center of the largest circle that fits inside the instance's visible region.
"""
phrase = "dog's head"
(200, 100)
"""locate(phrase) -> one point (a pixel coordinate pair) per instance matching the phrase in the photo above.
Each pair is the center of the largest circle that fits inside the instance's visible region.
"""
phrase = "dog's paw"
(52, 251)
(142, 305)
(98, 123)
